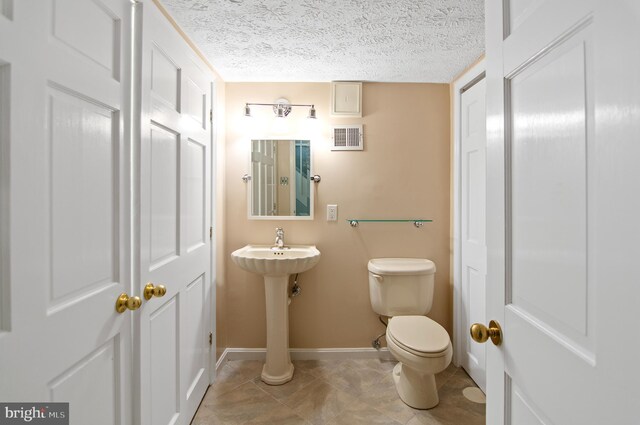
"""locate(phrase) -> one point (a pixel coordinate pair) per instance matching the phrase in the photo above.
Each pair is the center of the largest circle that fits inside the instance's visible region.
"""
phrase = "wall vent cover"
(347, 138)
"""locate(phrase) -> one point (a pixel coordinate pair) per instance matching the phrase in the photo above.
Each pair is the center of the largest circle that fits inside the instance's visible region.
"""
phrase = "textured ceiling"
(325, 40)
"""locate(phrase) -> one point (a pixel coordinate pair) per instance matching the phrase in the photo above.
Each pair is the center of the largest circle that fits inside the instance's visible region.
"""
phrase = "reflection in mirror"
(280, 178)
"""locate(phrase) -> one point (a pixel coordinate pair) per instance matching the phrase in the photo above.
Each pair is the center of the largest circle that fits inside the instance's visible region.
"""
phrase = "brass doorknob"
(125, 302)
(480, 333)
(151, 290)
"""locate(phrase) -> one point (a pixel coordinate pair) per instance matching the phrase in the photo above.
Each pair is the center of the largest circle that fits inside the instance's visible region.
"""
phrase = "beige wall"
(404, 172)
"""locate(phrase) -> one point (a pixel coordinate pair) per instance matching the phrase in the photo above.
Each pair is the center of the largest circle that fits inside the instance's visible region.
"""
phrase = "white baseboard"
(221, 361)
(306, 354)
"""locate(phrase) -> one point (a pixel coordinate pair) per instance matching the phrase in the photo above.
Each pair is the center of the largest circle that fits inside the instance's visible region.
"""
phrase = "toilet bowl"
(422, 348)
(402, 289)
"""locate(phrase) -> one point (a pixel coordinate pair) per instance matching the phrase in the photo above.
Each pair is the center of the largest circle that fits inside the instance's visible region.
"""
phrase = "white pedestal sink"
(276, 265)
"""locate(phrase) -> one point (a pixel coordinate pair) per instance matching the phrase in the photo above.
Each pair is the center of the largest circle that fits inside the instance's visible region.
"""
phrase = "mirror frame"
(312, 191)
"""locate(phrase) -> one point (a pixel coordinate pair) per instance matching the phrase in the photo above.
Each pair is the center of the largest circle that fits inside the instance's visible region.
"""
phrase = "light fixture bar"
(279, 108)
(276, 104)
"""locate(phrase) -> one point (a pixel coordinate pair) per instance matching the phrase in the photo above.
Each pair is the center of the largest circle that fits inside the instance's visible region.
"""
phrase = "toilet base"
(416, 389)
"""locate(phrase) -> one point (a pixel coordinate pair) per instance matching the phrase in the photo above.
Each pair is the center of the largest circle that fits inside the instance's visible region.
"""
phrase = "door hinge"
(211, 233)
(210, 115)
(210, 338)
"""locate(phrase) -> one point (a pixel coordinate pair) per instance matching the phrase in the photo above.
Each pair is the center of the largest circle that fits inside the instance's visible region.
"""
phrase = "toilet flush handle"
(377, 277)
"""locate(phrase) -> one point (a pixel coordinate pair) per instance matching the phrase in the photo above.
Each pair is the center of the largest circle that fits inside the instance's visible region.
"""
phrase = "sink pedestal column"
(278, 369)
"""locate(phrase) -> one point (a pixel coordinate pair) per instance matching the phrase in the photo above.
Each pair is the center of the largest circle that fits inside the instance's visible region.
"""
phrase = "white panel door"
(473, 219)
(264, 185)
(175, 213)
(563, 117)
(65, 200)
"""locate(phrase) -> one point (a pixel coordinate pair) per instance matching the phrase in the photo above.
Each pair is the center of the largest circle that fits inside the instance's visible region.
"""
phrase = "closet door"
(174, 239)
(64, 222)
(473, 255)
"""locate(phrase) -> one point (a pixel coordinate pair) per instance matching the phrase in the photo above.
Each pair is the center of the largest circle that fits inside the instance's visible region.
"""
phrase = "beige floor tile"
(300, 380)
(354, 380)
(278, 415)
(318, 368)
(451, 394)
(443, 377)
(397, 410)
(380, 391)
(319, 402)
(424, 420)
(440, 415)
(375, 365)
(383, 396)
(205, 416)
(255, 366)
(336, 392)
(362, 414)
(232, 375)
(242, 404)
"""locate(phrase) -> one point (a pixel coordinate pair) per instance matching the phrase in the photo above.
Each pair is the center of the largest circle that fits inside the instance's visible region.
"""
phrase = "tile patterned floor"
(331, 392)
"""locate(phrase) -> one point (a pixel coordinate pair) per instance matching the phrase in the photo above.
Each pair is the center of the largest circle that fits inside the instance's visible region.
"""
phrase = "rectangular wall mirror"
(281, 184)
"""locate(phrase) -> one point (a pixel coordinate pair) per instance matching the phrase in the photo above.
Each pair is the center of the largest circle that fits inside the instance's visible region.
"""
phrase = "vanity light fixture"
(315, 178)
(281, 108)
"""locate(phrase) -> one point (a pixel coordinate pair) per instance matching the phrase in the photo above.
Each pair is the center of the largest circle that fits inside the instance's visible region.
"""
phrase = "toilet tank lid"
(400, 266)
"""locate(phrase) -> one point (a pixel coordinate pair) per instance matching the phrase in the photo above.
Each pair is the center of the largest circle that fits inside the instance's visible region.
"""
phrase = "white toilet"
(402, 288)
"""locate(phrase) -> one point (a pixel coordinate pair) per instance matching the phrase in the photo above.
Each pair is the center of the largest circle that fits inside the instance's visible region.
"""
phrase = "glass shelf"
(418, 222)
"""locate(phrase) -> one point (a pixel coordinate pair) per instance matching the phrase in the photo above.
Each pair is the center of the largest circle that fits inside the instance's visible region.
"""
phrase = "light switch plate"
(332, 212)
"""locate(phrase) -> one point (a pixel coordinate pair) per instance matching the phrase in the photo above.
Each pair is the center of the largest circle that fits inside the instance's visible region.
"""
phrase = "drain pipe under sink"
(295, 289)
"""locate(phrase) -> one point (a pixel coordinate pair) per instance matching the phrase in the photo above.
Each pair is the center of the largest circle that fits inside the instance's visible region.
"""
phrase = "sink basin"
(268, 261)
(276, 265)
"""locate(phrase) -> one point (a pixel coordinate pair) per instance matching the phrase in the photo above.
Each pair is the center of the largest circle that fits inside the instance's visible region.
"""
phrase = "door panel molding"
(568, 313)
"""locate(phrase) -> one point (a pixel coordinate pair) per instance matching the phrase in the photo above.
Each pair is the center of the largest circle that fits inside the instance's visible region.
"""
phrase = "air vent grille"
(347, 138)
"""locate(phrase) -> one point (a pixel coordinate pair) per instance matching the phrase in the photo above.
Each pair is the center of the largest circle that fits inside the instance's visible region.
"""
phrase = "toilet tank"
(401, 286)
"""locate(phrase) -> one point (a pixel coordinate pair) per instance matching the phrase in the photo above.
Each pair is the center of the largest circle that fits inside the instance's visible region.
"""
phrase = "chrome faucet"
(279, 238)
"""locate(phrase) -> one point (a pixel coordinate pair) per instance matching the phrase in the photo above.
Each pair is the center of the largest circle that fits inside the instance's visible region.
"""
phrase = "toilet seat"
(419, 335)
